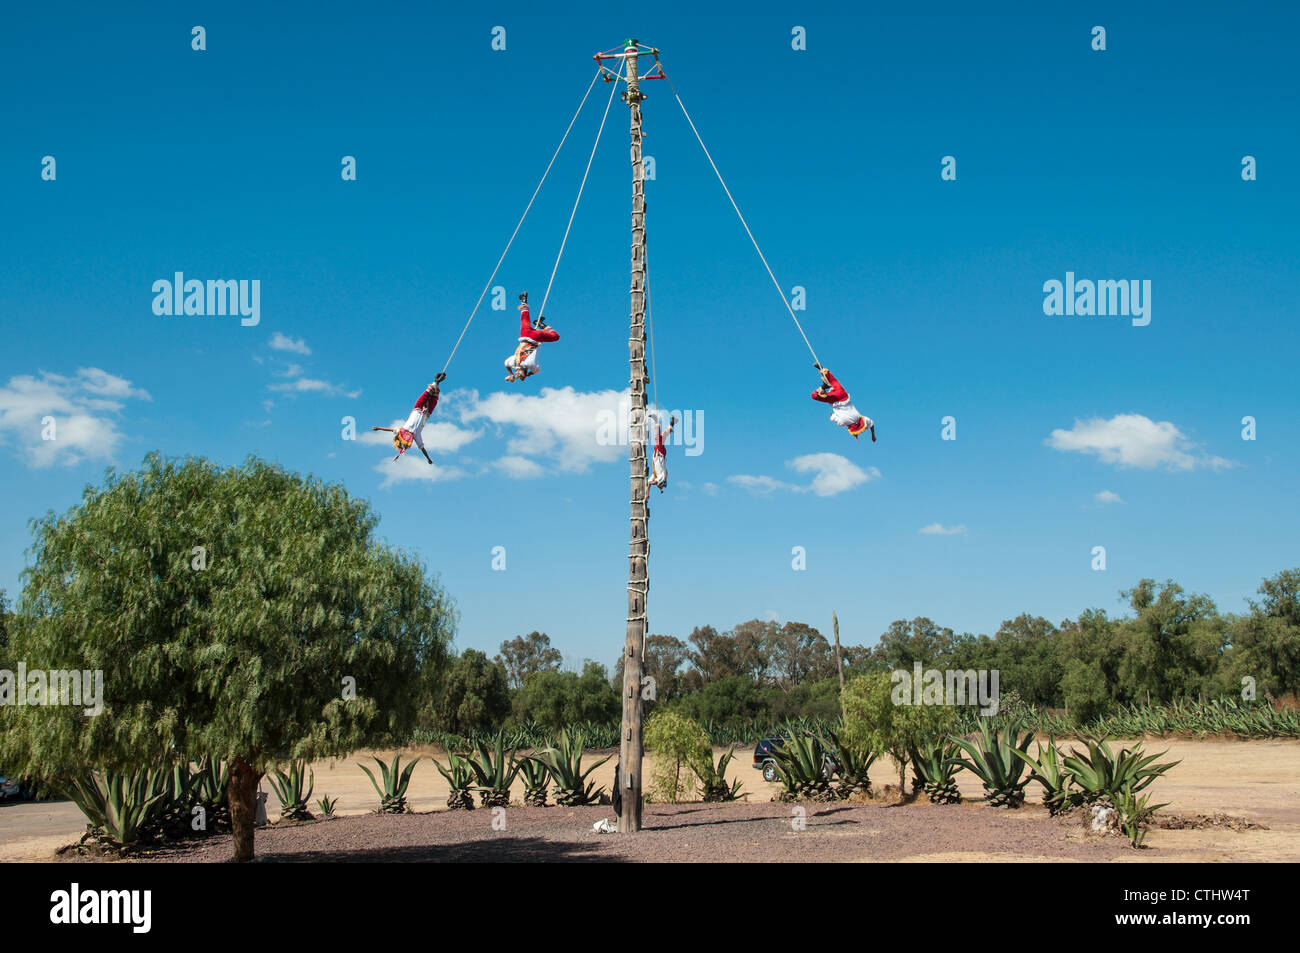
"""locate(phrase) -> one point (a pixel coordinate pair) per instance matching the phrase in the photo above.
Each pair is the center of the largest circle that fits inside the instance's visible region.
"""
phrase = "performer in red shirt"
(524, 362)
(842, 410)
(412, 431)
(659, 462)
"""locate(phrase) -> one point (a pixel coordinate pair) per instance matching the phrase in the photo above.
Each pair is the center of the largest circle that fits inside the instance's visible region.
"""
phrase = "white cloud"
(761, 485)
(104, 384)
(710, 488)
(83, 408)
(282, 342)
(310, 385)
(1107, 496)
(439, 436)
(832, 474)
(1132, 440)
(938, 529)
(414, 469)
(573, 429)
(520, 468)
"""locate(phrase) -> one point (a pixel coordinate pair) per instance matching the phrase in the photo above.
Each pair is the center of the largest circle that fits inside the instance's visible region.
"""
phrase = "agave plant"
(1050, 772)
(992, 761)
(536, 780)
(211, 794)
(392, 796)
(1100, 772)
(289, 788)
(495, 769)
(563, 759)
(853, 761)
(803, 768)
(327, 804)
(934, 769)
(713, 780)
(460, 778)
(117, 804)
(1135, 813)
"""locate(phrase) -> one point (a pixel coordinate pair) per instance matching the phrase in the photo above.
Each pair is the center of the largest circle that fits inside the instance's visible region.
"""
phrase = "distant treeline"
(1173, 647)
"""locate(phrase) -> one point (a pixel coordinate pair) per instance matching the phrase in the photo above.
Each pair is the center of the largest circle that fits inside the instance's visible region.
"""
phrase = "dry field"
(1258, 781)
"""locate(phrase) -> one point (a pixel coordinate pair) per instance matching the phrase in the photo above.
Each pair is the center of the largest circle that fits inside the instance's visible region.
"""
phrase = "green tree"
(800, 652)
(526, 655)
(248, 614)
(1174, 642)
(874, 717)
(679, 742)
(559, 699)
(920, 640)
(732, 702)
(715, 656)
(474, 695)
(1267, 641)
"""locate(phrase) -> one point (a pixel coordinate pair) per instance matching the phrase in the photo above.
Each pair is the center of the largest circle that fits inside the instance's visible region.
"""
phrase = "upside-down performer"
(411, 431)
(523, 363)
(659, 462)
(842, 410)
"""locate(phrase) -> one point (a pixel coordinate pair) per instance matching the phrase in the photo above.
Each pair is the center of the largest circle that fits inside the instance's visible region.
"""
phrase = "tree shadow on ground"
(483, 850)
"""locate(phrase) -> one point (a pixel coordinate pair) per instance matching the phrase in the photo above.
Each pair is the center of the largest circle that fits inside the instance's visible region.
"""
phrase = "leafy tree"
(526, 655)
(559, 699)
(1267, 641)
(754, 645)
(800, 652)
(715, 656)
(474, 695)
(808, 699)
(1025, 655)
(920, 640)
(731, 701)
(664, 658)
(1174, 642)
(247, 613)
(873, 718)
(679, 742)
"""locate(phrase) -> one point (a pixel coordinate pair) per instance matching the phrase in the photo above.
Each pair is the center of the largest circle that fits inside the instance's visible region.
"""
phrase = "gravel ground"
(745, 832)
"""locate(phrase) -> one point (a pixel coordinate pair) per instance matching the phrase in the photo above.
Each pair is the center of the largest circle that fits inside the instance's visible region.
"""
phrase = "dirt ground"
(1258, 781)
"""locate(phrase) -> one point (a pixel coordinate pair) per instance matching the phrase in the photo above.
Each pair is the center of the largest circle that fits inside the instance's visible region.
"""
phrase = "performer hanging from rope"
(523, 363)
(659, 464)
(842, 410)
(411, 431)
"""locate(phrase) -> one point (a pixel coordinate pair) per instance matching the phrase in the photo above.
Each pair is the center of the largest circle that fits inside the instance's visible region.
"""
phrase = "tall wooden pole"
(638, 579)
(839, 658)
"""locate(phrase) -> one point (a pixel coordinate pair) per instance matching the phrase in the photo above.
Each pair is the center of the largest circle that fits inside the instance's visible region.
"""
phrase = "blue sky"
(925, 296)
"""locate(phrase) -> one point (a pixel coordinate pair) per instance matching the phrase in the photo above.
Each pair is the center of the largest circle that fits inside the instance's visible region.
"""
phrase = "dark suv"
(765, 760)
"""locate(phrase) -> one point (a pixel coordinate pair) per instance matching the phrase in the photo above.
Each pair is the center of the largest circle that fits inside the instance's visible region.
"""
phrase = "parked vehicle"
(765, 761)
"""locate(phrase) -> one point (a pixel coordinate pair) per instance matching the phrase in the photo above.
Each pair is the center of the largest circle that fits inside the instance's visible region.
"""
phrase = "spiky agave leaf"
(563, 759)
(1050, 772)
(992, 762)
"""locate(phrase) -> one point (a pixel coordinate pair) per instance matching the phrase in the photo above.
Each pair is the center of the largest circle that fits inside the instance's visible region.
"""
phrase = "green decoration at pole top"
(628, 44)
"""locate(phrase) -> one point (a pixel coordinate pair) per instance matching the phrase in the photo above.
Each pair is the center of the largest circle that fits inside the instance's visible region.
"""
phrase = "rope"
(654, 373)
(612, 89)
(707, 155)
(520, 223)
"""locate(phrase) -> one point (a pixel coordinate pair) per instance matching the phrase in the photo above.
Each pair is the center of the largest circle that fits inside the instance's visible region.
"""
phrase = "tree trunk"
(243, 806)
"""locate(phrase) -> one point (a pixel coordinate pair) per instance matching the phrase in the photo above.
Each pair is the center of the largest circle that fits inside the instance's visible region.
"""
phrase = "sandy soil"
(1257, 780)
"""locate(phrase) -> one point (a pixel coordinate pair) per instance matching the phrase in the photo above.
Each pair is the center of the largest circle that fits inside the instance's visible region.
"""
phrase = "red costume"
(842, 410)
(836, 394)
(539, 335)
